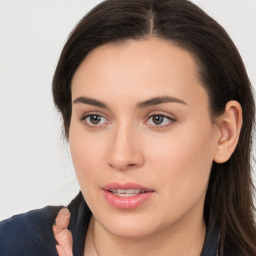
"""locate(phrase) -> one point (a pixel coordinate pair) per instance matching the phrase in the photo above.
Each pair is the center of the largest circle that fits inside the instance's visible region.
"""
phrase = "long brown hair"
(229, 198)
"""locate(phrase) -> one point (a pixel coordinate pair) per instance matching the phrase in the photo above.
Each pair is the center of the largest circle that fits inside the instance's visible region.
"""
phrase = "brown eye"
(157, 120)
(94, 120)
(160, 120)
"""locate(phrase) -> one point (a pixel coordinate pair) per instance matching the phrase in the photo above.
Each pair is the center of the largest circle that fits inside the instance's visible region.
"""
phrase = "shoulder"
(29, 233)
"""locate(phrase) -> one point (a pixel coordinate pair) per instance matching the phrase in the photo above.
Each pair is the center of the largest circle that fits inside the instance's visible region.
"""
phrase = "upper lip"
(127, 185)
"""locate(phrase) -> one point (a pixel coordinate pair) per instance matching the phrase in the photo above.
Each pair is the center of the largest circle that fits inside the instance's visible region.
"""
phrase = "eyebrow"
(160, 100)
(90, 101)
(143, 104)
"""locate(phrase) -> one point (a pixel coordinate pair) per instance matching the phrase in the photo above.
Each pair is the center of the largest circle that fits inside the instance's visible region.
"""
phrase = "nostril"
(131, 165)
(123, 166)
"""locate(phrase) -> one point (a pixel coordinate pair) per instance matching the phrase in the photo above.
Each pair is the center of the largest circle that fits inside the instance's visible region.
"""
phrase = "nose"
(125, 150)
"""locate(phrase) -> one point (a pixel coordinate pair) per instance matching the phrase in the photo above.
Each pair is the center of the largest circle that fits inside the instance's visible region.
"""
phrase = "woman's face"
(141, 137)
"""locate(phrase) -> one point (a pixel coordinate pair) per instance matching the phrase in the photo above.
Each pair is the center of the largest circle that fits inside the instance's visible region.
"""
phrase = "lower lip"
(127, 202)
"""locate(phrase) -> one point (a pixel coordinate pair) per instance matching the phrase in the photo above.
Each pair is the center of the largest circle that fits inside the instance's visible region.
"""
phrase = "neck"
(181, 239)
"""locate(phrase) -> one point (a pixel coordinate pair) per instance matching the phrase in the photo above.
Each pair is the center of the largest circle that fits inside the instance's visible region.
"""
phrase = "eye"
(160, 120)
(94, 120)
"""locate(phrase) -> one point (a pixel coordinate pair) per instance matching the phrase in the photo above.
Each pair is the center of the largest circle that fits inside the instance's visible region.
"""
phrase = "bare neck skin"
(186, 238)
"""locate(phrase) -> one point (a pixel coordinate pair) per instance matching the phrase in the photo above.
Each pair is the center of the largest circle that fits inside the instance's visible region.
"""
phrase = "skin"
(62, 235)
(173, 158)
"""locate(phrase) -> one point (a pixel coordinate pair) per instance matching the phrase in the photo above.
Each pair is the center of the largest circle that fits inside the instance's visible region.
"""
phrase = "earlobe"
(229, 125)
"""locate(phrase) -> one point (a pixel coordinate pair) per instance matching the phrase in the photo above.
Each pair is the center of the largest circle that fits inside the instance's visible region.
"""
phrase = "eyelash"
(167, 119)
(93, 126)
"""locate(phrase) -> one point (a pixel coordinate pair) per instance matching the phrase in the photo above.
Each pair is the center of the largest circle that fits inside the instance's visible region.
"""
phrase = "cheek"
(183, 165)
(87, 155)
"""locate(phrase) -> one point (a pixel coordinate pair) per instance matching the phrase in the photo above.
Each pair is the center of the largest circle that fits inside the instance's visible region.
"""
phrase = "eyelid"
(172, 119)
(96, 113)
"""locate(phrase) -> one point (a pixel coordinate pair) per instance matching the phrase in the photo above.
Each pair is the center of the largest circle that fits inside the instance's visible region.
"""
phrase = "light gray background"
(35, 165)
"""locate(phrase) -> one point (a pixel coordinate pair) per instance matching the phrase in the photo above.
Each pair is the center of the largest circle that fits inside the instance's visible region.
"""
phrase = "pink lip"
(126, 202)
(127, 185)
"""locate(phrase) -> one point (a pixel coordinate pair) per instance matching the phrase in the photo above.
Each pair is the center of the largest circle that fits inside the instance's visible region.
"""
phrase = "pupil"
(94, 119)
(158, 119)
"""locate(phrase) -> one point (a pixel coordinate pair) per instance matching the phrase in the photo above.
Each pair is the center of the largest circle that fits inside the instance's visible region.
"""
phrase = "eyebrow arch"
(143, 104)
(90, 101)
(160, 100)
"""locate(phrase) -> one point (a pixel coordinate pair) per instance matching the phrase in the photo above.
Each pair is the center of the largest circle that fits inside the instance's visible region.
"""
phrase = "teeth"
(124, 195)
(126, 192)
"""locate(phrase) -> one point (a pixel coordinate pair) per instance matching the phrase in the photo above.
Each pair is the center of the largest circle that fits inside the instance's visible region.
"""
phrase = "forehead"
(130, 53)
(142, 68)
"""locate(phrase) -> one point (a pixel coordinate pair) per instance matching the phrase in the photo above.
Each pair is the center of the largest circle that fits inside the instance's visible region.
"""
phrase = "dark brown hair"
(229, 198)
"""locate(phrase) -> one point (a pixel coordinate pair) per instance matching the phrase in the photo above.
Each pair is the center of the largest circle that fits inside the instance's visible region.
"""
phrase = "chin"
(130, 232)
(129, 225)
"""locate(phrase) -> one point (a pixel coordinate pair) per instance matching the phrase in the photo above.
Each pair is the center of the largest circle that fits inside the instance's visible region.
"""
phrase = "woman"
(158, 111)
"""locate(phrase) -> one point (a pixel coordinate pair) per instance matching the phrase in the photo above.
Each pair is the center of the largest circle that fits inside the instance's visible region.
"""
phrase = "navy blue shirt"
(30, 234)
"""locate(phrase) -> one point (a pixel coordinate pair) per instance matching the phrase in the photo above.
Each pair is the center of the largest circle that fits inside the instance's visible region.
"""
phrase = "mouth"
(126, 192)
(127, 195)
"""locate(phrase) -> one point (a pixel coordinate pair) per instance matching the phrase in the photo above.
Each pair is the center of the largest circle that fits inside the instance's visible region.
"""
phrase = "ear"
(229, 126)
